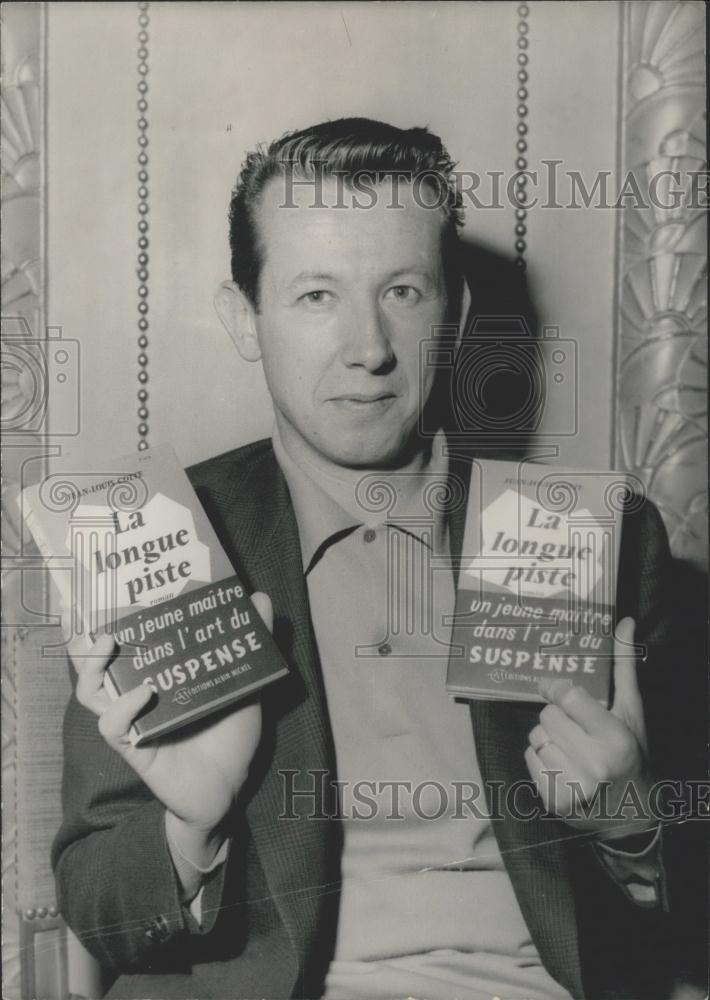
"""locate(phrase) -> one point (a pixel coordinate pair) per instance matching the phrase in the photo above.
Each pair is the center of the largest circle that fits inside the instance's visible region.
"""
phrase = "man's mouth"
(363, 398)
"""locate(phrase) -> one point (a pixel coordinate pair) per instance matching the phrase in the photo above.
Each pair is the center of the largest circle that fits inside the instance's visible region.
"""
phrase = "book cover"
(537, 583)
(132, 552)
(198, 653)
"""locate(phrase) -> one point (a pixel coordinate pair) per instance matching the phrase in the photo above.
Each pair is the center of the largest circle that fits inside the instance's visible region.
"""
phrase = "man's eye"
(404, 293)
(316, 297)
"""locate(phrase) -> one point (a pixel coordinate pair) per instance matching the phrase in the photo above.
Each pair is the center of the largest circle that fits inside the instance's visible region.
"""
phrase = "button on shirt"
(427, 909)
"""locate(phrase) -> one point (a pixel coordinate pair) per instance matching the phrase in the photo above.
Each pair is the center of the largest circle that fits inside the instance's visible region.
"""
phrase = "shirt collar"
(334, 503)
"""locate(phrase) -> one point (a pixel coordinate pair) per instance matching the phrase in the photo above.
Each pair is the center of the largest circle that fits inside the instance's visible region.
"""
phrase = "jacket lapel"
(299, 857)
(533, 851)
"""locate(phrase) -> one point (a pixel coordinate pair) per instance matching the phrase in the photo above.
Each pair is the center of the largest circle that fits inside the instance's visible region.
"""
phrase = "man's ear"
(238, 318)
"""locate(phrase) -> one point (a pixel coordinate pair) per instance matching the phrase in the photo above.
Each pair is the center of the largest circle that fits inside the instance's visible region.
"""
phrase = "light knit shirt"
(427, 908)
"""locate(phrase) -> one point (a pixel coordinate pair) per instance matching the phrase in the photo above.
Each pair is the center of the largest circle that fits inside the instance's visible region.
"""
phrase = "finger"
(77, 642)
(262, 603)
(625, 681)
(555, 777)
(552, 759)
(627, 705)
(117, 719)
(579, 705)
(90, 670)
(534, 765)
(544, 777)
(537, 736)
(547, 751)
(566, 733)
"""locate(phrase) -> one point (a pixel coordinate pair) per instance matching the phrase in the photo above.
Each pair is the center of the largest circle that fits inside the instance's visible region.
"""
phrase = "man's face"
(346, 297)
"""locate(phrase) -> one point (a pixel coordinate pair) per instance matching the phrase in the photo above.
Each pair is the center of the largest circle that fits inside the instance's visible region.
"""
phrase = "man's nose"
(367, 343)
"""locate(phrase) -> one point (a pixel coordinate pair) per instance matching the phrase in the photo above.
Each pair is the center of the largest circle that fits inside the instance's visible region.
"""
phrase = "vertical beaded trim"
(521, 162)
(142, 258)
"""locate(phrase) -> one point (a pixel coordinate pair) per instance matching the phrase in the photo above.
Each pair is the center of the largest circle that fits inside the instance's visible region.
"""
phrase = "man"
(206, 865)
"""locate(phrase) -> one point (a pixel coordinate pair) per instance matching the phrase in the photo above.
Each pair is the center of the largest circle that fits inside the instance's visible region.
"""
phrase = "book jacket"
(537, 582)
(132, 552)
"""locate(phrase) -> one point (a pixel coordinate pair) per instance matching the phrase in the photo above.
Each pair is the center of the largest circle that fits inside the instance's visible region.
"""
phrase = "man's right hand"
(196, 776)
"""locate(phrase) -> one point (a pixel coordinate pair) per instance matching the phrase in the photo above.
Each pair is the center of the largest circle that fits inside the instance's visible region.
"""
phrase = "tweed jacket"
(269, 915)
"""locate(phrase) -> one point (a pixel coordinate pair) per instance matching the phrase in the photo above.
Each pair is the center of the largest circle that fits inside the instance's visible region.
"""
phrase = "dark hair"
(348, 146)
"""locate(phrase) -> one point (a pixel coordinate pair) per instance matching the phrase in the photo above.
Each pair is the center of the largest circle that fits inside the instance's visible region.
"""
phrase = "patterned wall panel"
(33, 935)
(662, 363)
(21, 300)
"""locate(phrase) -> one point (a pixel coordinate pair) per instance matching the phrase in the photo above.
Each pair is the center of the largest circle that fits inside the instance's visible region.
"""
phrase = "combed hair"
(346, 147)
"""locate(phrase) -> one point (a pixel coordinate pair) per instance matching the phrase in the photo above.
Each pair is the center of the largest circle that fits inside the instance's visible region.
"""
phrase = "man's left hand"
(578, 743)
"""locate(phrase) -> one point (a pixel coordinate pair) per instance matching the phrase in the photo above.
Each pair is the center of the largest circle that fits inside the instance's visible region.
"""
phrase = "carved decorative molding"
(662, 308)
(22, 323)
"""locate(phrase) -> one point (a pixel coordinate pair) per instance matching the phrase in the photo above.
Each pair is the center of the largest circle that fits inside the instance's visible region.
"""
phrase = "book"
(132, 552)
(537, 582)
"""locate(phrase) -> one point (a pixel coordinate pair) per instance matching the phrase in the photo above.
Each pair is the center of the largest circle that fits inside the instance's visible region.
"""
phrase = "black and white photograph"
(354, 500)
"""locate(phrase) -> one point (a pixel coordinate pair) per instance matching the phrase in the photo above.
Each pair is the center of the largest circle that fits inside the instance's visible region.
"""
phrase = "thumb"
(262, 603)
(627, 698)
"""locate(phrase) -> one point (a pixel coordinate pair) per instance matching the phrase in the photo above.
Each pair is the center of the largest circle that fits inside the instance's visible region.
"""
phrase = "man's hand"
(588, 745)
(198, 776)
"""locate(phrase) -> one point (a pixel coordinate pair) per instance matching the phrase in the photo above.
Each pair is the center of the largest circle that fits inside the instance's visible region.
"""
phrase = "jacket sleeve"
(644, 580)
(671, 609)
(644, 566)
(620, 936)
(116, 882)
(646, 592)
